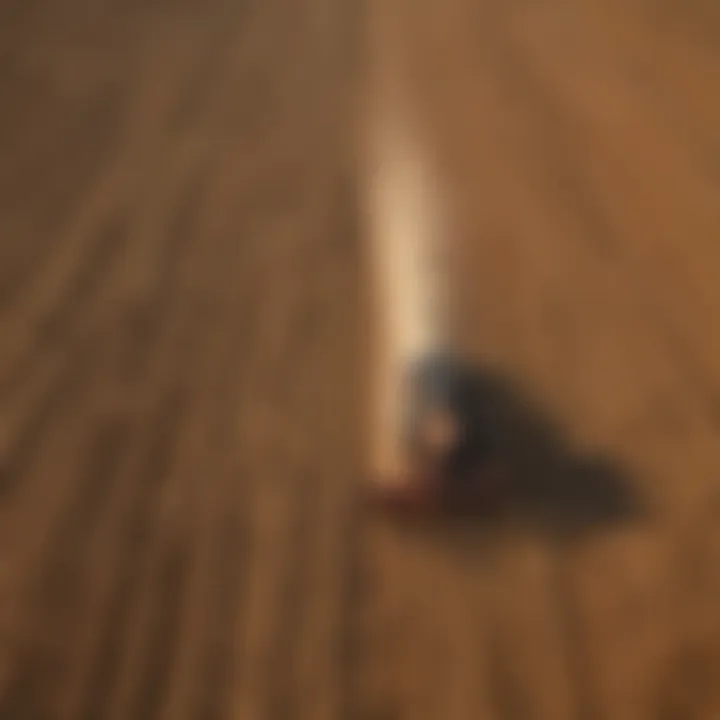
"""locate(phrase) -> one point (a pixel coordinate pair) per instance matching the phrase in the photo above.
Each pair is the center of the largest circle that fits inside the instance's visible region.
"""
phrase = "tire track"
(206, 77)
(147, 602)
(148, 318)
(509, 698)
(218, 367)
(59, 327)
(164, 564)
(146, 697)
(194, 640)
(171, 580)
(230, 553)
(232, 556)
(53, 401)
(55, 597)
(111, 628)
(48, 478)
(224, 533)
(271, 515)
(92, 274)
(44, 377)
(60, 183)
(355, 584)
(129, 533)
(316, 685)
(163, 606)
(220, 375)
(569, 621)
(72, 362)
(153, 588)
(113, 191)
(281, 700)
(295, 325)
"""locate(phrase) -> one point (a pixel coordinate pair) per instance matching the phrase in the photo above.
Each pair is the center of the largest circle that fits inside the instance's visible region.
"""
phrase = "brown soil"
(182, 365)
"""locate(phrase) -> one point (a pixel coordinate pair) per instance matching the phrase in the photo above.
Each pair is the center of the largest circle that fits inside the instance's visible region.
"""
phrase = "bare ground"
(181, 364)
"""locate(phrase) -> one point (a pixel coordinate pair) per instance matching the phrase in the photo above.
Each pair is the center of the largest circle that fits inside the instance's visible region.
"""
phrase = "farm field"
(183, 333)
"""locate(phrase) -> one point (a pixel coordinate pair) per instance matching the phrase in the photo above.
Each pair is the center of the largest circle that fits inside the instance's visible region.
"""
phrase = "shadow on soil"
(537, 478)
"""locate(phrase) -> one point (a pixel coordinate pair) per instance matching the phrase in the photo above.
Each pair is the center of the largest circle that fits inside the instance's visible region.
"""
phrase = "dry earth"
(182, 338)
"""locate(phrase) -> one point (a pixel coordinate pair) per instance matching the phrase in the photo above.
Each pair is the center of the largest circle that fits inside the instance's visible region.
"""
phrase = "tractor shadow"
(543, 483)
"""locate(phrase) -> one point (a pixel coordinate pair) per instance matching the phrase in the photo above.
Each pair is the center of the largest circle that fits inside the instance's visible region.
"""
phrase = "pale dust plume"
(408, 238)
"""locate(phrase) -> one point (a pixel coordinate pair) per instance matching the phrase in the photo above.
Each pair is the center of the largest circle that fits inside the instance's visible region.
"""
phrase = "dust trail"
(408, 247)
